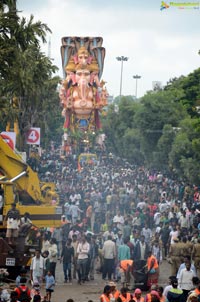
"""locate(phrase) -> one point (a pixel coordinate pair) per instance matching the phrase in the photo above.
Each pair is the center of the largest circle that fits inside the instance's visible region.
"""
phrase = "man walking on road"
(82, 252)
(109, 255)
(37, 268)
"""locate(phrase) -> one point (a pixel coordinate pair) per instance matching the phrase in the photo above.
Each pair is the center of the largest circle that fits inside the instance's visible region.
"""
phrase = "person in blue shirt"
(124, 251)
(22, 274)
(50, 283)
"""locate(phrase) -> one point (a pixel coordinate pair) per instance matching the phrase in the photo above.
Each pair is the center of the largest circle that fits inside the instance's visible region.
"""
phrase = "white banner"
(33, 136)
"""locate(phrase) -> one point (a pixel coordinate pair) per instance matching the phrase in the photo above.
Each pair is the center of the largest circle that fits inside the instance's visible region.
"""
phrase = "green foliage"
(162, 130)
(185, 155)
(26, 75)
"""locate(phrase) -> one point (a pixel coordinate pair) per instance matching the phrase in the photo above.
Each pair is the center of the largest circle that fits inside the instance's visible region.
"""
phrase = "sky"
(159, 44)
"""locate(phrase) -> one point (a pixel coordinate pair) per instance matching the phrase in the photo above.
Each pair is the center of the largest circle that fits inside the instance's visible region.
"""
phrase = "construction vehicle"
(20, 184)
(14, 257)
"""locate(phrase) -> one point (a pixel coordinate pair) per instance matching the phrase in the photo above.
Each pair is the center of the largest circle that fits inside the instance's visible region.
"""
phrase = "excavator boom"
(16, 170)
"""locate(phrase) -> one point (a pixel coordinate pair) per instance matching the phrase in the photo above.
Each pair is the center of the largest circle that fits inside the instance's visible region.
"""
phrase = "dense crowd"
(121, 221)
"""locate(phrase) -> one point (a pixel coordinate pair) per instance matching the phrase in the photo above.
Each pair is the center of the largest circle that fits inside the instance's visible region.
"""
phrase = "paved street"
(91, 290)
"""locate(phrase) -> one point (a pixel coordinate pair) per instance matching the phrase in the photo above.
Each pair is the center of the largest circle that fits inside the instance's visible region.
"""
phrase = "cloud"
(159, 45)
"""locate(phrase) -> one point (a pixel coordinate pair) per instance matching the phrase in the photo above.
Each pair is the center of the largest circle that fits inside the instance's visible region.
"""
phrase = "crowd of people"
(121, 221)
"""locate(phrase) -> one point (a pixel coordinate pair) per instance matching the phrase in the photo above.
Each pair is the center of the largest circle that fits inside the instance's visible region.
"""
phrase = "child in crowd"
(50, 283)
(35, 290)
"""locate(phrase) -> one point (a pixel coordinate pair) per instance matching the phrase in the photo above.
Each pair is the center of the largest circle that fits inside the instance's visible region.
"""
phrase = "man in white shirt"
(163, 206)
(173, 234)
(147, 233)
(119, 219)
(37, 268)
(187, 259)
(185, 280)
(74, 211)
(142, 205)
(156, 218)
(184, 221)
(83, 249)
(109, 255)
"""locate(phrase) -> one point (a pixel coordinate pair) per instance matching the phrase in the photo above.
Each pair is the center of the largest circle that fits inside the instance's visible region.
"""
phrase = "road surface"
(91, 290)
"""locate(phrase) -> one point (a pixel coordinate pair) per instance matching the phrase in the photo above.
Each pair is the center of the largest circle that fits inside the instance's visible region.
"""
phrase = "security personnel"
(175, 253)
(196, 255)
(186, 248)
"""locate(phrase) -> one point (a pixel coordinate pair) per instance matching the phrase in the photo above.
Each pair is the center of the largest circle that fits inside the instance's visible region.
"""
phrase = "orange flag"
(79, 167)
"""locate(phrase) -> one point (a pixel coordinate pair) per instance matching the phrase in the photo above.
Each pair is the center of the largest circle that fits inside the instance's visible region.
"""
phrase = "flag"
(79, 167)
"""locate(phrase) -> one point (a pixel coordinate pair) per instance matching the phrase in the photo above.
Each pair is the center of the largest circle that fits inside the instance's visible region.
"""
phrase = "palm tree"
(23, 67)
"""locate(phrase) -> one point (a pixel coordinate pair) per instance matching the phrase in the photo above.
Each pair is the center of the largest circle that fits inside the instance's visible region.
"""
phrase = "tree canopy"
(27, 86)
(161, 130)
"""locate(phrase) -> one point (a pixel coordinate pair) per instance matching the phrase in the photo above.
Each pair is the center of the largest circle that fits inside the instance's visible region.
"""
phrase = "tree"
(164, 145)
(185, 154)
(25, 72)
(156, 110)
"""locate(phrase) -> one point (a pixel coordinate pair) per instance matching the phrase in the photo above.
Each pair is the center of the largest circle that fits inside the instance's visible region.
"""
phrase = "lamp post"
(136, 77)
(122, 59)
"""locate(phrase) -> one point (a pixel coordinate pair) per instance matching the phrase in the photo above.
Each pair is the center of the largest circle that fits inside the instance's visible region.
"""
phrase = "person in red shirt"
(152, 209)
(23, 292)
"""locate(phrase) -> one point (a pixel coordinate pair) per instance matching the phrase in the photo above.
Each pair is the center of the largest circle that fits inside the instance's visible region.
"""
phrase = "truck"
(21, 185)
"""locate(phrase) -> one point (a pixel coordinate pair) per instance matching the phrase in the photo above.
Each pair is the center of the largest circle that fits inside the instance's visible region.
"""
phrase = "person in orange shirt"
(138, 295)
(196, 282)
(114, 291)
(127, 274)
(125, 296)
(105, 297)
(152, 269)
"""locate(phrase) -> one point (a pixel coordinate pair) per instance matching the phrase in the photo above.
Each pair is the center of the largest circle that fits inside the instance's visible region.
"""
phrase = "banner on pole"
(33, 136)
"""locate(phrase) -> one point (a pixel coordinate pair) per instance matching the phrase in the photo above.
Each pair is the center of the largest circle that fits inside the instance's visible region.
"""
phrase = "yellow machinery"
(87, 159)
(20, 184)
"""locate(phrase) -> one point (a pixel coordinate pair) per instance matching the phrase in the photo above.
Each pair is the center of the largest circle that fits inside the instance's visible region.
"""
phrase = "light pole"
(121, 59)
(136, 77)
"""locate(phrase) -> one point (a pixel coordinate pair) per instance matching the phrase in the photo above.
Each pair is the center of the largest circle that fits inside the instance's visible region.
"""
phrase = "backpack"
(23, 297)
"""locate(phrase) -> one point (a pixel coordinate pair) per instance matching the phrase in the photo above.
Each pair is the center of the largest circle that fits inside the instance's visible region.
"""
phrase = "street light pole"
(136, 77)
(122, 59)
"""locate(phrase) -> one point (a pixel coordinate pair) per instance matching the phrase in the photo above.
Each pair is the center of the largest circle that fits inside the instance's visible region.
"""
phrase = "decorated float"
(82, 93)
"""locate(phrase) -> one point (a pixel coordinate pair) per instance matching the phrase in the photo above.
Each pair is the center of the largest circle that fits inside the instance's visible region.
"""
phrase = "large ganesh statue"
(82, 94)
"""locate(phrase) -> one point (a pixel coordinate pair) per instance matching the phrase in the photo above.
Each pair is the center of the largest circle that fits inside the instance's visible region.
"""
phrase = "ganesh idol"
(82, 94)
